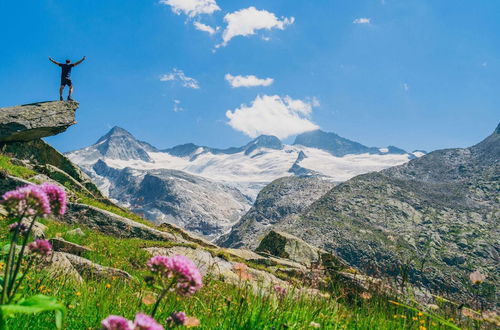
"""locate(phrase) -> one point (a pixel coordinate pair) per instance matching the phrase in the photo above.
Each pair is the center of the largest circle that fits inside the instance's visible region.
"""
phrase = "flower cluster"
(280, 291)
(38, 200)
(177, 318)
(57, 197)
(41, 246)
(21, 227)
(181, 269)
(27, 200)
(141, 322)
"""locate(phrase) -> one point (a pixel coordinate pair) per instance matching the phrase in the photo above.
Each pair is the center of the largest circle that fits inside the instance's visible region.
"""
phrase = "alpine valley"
(207, 190)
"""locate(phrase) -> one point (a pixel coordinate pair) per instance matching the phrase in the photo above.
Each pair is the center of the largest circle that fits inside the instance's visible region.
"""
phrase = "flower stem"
(161, 296)
(21, 254)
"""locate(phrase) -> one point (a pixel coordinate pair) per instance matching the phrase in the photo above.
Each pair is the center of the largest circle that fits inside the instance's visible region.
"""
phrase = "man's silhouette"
(66, 76)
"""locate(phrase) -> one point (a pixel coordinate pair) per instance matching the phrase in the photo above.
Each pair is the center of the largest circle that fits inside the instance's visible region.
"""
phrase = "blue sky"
(418, 74)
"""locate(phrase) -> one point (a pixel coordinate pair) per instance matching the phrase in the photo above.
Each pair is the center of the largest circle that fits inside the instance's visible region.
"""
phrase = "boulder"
(283, 245)
(218, 267)
(90, 270)
(33, 121)
(61, 245)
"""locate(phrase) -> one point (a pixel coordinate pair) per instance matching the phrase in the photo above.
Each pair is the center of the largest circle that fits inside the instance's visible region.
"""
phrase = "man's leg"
(70, 92)
(61, 89)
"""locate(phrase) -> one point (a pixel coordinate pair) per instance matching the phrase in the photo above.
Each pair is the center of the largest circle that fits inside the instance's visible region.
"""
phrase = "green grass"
(218, 305)
(15, 170)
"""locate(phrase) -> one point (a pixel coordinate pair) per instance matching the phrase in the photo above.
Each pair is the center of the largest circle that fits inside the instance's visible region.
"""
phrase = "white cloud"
(192, 8)
(205, 28)
(406, 87)
(247, 81)
(179, 75)
(362, 20)
(177, 106)
(272, 115)
(245, 22)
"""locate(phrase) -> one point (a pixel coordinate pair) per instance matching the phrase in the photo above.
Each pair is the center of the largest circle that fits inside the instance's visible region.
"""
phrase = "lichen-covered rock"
(61, 245)
(90, 270)
(283, 245)
(282, 199)
(33, 121)
(228, 270)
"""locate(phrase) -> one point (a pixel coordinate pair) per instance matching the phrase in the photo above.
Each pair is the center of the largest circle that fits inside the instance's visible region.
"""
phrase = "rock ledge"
(37, 120)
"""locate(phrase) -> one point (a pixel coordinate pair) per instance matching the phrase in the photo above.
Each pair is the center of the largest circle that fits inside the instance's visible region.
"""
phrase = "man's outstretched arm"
(56, 63)
(80, 61)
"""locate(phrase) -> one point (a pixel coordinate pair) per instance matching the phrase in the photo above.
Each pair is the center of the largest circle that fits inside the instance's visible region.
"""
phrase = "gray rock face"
(33, 121)
(339, 146)
(283, 245)
(283, 198)
(438, 216)
(196, 204)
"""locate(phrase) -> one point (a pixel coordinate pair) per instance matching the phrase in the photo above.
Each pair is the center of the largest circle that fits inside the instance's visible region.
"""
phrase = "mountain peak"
(115, 132)
(263, 141)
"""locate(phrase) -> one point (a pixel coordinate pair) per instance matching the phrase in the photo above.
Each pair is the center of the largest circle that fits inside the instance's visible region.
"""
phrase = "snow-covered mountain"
(119, 164)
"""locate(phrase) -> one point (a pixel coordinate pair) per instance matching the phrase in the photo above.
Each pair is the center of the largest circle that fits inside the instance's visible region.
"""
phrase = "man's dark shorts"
(66, 81)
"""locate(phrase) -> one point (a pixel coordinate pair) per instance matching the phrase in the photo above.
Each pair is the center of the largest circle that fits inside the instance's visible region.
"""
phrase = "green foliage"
(15, 170)
(35, 305)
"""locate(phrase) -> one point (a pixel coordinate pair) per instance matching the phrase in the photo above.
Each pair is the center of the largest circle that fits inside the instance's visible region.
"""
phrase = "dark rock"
(61, 245)
(33, 121)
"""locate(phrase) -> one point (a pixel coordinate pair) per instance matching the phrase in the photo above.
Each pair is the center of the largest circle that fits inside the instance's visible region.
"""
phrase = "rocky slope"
(434, 220)
(194, 203)
(281, 199)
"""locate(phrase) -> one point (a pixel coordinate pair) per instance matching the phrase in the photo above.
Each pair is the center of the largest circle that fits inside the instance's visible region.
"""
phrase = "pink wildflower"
(178, 318)
(114, 322)
(41, 246)
(29, 200)
(57, 197)
(146, 322)
(280, 291)
(21, 227)
(180, 268)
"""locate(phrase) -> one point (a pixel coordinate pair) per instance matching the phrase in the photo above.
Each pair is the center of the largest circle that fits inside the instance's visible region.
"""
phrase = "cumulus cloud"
(205, 28)
(247, 81)
(245, 22)
(362, 20)
(178, 75)
(177, 106)
(192, 8)
(273, 115)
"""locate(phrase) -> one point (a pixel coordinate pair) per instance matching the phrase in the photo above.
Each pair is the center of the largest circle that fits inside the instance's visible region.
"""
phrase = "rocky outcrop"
(219, 267)
(61, 245)
(33, 121)
(283, 245)
(69, 266)
(46, 160)
(433, 220)
(114, 225)
(282, 198)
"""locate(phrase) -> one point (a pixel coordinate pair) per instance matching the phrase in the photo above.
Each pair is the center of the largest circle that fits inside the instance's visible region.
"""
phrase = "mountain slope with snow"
(248, 168)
